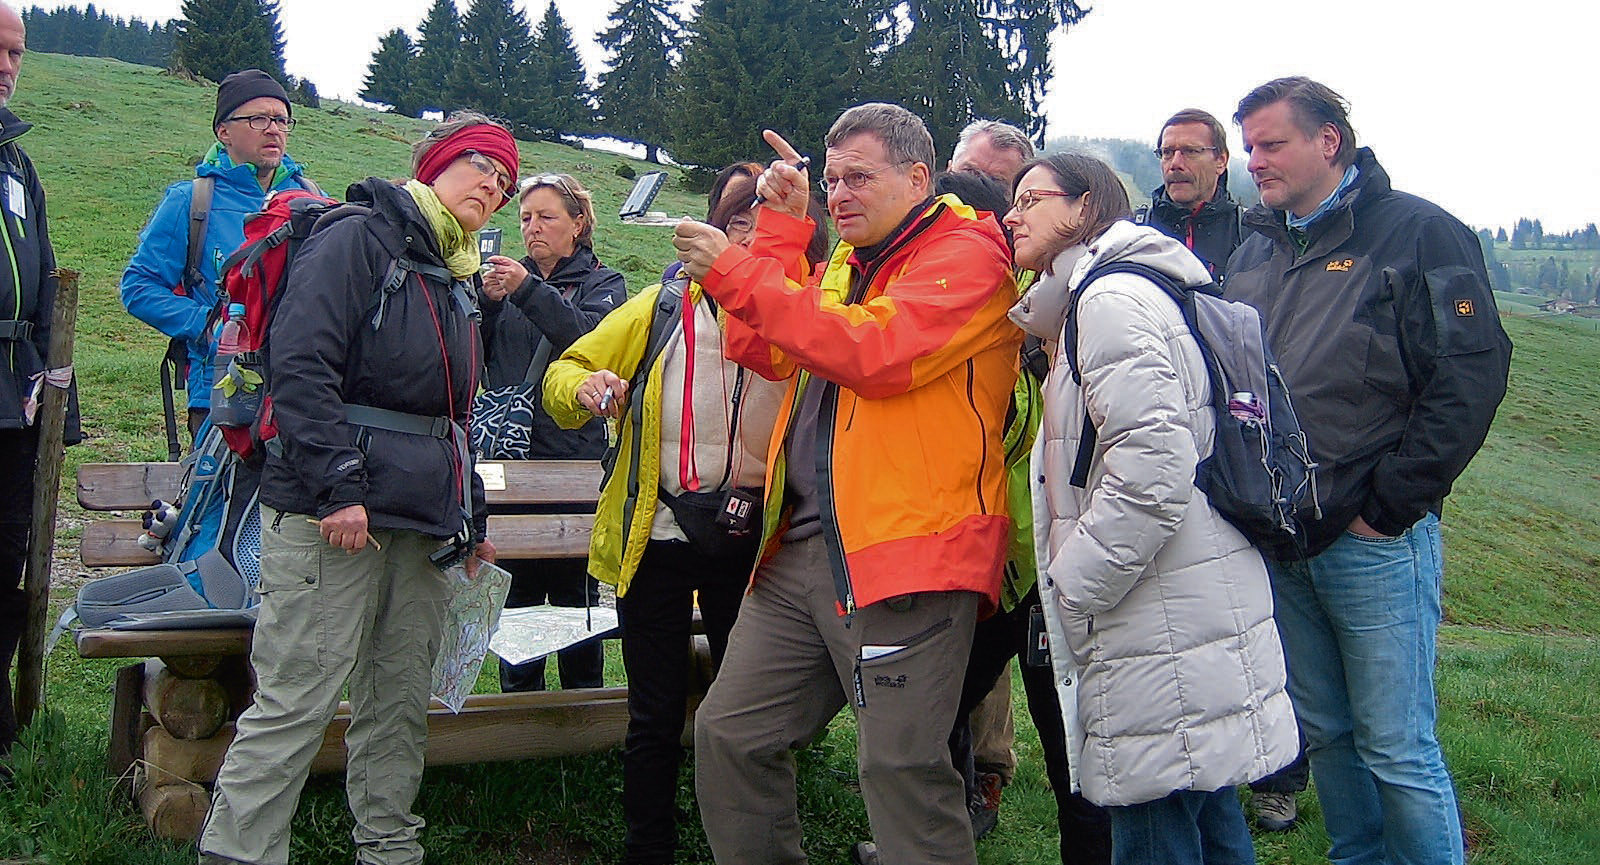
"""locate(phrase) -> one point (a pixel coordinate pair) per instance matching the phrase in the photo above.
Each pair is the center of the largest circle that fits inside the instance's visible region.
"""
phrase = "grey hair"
(904, 136)
(449, 126)
(1003, 135)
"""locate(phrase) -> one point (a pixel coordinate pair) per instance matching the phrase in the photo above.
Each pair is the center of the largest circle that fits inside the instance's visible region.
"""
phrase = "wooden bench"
(171, 716)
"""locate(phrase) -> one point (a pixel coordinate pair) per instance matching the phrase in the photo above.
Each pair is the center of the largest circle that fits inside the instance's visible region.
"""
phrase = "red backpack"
(254, 275)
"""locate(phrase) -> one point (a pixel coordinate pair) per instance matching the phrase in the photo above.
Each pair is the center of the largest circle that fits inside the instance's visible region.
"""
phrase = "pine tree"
(217, 37)
(635, 94)
(488, 74)
(954, 60)
(754, 64)
(391, 74)
(562, 103)
(438, 47)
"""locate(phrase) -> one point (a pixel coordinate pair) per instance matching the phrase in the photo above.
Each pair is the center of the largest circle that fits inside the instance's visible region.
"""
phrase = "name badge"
(14, 200)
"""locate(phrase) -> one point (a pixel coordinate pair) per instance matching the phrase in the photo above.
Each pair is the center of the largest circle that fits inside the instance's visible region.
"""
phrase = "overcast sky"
(1491, 116)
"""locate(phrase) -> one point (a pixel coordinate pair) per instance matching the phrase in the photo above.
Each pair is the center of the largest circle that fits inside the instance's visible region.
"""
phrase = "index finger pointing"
(785, 152)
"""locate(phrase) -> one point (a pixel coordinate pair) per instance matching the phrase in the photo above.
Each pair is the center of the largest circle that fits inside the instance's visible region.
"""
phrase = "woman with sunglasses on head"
(1159, 612)
(372, 362)
(533, 308)
(692, 442)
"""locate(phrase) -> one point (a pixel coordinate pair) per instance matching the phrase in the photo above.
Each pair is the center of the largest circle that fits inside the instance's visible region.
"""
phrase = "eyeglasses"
(508, 187)
(1029, 197)
(260, 122)
(857, 179)
(1165, 154)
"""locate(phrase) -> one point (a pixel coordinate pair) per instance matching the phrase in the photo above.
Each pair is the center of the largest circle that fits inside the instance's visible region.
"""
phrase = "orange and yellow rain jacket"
(917, 360)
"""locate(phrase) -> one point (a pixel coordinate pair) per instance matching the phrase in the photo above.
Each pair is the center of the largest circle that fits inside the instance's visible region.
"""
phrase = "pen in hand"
(605, 401)
(800, 164)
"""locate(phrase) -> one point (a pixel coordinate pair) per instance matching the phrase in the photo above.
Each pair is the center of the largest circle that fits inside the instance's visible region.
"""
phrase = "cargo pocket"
(291, 637)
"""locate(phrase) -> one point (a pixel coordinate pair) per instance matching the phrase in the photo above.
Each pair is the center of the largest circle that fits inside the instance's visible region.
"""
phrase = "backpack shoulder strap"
(1180, 295)
(309, 185)
(661, 315)
(200, 197)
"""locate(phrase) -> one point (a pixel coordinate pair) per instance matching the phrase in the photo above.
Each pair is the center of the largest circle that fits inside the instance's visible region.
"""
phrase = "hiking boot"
(864, 853)
(984, 806)
(1275, 812)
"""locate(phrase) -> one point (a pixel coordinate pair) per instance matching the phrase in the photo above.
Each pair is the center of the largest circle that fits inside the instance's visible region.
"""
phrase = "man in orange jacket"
(885, 518)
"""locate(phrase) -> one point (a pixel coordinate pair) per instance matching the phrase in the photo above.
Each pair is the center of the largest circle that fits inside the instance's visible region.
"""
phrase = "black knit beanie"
(243, 86)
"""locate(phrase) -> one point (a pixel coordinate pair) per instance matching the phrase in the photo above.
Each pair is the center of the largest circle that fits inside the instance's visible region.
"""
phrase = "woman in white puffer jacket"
(1159, 612)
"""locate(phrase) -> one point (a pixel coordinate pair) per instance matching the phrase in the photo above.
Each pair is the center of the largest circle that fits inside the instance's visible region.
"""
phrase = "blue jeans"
(1358, 623)
(1189, 827)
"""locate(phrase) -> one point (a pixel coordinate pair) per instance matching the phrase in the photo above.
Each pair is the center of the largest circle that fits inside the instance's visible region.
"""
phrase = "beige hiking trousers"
(327, 617)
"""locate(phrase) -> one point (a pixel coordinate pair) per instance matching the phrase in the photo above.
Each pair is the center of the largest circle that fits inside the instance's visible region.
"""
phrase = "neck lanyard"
(688, 477)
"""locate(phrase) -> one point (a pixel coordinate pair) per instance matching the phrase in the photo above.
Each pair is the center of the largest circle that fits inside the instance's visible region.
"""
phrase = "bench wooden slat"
(132, 486)
(125, 486)
(115, 543)
(106, 643)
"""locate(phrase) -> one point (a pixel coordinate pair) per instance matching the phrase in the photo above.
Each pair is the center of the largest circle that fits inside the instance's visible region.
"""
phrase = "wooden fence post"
(46, 487)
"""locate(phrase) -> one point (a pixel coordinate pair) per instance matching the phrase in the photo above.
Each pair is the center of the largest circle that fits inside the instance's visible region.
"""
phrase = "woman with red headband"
(372, 366)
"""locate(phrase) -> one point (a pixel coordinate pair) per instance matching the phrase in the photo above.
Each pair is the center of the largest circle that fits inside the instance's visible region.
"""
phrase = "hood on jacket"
(1042, 312)
(391, 204)
(11, 126)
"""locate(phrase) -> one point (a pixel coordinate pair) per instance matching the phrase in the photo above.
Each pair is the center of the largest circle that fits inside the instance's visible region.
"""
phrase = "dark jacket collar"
(572, 270)
(866, 255)
(1371, 184)
(397, 222)
(11, 126)
(1171, 212)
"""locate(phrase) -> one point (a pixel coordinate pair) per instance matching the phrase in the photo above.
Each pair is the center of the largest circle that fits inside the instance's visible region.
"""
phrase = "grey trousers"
(326, 617)
(792, 663)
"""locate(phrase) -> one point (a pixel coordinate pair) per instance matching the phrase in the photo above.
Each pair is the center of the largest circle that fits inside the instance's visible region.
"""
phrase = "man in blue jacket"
(162, 287)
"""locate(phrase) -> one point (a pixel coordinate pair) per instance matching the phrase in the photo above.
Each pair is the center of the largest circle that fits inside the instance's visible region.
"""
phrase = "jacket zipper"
(844, 587)
(983, 435)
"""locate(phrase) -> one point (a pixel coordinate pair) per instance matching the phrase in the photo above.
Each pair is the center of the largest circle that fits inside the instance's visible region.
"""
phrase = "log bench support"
(172, 716)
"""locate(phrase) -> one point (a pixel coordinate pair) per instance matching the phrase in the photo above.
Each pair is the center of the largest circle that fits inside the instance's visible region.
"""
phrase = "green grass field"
(1519, 658)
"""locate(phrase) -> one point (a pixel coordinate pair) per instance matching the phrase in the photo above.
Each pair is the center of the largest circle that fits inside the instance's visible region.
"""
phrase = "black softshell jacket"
(1388, 336)
(27, 281)
(578, 293)
(1212, 233)
(333, 344)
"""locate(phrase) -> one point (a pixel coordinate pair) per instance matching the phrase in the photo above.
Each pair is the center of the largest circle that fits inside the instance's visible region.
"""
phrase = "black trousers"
(19, 451)
(1085, 827)
(560, 583)
(656, 615)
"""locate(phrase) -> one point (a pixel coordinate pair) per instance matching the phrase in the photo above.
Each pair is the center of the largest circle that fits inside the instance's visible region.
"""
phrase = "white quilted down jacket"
(1166, 656)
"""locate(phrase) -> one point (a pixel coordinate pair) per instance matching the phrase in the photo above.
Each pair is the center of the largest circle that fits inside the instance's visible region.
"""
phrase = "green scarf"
(460, 249)
(218, 156)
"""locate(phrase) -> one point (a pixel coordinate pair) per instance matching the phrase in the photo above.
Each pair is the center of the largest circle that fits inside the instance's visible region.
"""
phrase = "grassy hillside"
(109, 137)
(1518, 659)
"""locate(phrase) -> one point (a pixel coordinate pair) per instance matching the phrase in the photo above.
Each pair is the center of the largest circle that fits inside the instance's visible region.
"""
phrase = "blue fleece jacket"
(156, 268)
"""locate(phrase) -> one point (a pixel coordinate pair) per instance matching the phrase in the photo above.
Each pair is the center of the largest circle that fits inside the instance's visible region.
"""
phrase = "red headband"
(492, 141)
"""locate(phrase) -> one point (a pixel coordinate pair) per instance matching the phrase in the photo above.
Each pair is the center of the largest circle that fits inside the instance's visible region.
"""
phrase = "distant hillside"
(108, 137)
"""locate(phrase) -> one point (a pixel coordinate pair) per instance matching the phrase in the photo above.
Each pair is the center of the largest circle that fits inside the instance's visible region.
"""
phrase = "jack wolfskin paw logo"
(890, 681)
(1342, 266)
(1464, 308)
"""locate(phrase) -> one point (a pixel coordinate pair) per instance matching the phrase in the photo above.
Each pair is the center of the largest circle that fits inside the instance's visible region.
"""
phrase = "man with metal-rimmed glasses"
(885, 516)
(171, 281)
(1192, 204)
